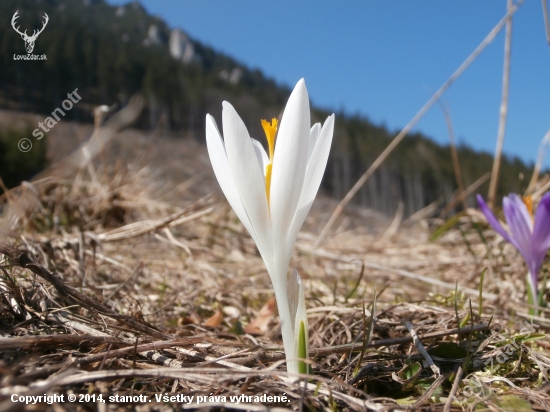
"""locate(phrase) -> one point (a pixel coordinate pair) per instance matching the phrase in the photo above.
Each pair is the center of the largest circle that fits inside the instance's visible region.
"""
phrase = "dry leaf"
(215, 320)
(260, 323)
(192, 319)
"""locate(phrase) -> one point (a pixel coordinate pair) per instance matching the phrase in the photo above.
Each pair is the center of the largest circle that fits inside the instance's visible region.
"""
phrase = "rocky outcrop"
(233, 77)
(153, 36)
(181, 47)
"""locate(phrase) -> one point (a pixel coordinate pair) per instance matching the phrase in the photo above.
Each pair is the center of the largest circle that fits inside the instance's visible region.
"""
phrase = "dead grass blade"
(454, 154)
(21, 259)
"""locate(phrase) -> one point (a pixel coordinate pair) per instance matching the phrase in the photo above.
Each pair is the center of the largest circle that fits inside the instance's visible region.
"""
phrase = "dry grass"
(125, 277)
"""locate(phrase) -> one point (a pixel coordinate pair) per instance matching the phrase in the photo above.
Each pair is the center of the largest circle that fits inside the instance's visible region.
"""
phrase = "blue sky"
(384, 59)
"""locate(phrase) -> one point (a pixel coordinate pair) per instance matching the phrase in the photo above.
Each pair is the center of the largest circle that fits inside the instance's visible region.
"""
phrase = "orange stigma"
(270, 130)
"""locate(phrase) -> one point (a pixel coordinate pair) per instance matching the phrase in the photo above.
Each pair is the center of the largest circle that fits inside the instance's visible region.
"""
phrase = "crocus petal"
(492, 220)
(240, 165)
(248, 178)
(297, 305)
(520, 208)
(313, 137)
(263, 159)
(541, 231)
(520, 224)
(314, 174)
(289, 163)
(218, 158)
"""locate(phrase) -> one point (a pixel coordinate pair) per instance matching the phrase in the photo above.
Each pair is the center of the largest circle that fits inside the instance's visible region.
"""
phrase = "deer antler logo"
(29, 40)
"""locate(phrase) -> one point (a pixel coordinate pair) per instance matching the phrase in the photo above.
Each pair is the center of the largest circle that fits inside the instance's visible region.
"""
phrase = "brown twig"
(43, 341)
(138, 269)
(454, 389)
(462, 196)
(454, 154)
(21, 259)
(538, 164)
(503, 109)
(418, 343)
(394, 341)
(428, 394)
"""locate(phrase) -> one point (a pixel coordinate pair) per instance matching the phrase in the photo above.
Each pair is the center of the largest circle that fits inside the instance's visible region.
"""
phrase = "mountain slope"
(109, 53)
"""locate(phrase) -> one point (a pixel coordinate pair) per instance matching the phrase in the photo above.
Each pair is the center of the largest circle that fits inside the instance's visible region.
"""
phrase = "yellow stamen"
(268, 180)
(528, 200)
(270, 130)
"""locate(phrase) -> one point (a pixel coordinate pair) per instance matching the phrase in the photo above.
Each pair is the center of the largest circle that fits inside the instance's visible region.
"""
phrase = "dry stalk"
(462, 196)
(540, 158)
(428, 394)
(418, 343)
(454, 155)
(454, 390)
(54, 340)
(546, 20)
(503, 109)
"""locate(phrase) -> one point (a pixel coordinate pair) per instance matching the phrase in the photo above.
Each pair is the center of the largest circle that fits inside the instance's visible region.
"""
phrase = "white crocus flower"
(272, 194)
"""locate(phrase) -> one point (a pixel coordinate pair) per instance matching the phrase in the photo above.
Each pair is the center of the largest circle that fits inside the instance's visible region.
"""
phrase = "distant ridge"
(110, 52)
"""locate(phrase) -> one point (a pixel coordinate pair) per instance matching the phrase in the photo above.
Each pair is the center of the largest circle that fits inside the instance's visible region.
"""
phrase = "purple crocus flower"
(530, 237)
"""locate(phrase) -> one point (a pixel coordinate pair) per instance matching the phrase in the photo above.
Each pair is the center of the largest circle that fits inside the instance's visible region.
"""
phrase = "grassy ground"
(131, 276)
